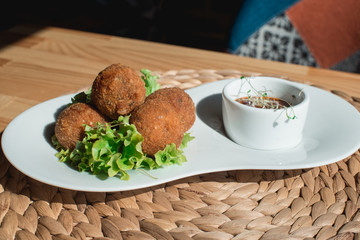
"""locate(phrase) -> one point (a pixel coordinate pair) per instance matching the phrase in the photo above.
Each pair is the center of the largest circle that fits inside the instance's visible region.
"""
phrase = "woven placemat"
(317, 203)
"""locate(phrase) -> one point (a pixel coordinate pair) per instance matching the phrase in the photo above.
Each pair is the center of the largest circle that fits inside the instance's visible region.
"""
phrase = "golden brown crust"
(117, 90)
(69, 126)
(180, 101)
(159, 124)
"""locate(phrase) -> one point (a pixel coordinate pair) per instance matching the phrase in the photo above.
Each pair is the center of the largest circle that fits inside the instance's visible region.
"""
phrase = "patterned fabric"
(277, 40)
(252, 15)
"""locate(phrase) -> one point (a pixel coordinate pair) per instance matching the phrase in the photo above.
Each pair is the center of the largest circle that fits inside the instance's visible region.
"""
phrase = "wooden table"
(37, 64)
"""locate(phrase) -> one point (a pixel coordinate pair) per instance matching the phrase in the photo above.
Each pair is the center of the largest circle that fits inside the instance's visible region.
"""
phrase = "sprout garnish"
(261, 99)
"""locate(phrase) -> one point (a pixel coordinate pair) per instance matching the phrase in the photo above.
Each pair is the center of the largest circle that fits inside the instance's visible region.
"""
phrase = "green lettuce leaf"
(113, 148)
(82, 97)
(171, 155)
(151, 84)
(187, 138)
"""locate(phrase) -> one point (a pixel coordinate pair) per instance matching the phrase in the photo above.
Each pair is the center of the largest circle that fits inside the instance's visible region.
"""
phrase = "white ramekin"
(265, 129)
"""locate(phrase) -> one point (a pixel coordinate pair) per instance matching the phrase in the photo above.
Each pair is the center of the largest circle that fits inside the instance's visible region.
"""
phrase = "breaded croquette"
(159, 124)
(69, 125)
(117, 90)
(180, 101)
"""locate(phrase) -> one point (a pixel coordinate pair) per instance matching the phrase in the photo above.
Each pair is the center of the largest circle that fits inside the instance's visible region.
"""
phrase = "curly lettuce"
(151, 84)
(112, 149)
(82, 97)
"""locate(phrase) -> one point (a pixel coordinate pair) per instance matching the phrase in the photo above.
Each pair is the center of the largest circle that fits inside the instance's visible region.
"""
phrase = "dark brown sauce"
(263, 102)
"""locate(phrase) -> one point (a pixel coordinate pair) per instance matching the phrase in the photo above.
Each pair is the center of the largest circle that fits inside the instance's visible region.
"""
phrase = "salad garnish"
(111, 149)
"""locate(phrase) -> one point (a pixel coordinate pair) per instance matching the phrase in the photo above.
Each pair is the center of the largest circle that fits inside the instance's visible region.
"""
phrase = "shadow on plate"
(209, 110)
(49, 129)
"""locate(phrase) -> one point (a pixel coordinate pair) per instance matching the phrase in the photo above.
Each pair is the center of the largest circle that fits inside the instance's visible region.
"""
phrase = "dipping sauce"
(263, 102)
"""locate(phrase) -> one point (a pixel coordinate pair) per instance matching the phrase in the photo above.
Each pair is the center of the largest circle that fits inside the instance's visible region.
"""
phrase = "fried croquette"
(158, 123)
(117, 90)
(69, 125)
(180, 101)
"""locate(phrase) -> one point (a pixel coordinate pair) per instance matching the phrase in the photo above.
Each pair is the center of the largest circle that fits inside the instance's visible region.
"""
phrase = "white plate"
(331, 134)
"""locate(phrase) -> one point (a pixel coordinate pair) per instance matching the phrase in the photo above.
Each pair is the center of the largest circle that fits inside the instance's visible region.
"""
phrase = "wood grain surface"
(40, 63)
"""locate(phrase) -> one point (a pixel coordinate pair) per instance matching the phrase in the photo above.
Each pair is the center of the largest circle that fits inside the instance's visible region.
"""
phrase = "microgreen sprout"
(259, 98)
(291, 116)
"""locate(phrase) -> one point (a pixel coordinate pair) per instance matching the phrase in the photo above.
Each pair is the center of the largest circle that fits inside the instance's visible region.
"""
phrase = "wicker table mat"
(317, 203)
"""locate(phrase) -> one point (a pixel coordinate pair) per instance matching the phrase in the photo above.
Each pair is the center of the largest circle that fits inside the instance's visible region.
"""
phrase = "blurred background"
(290, 31)
(204, 24)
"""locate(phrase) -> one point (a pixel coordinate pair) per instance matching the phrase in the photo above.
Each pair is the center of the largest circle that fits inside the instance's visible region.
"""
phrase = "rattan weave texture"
(317, 203)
